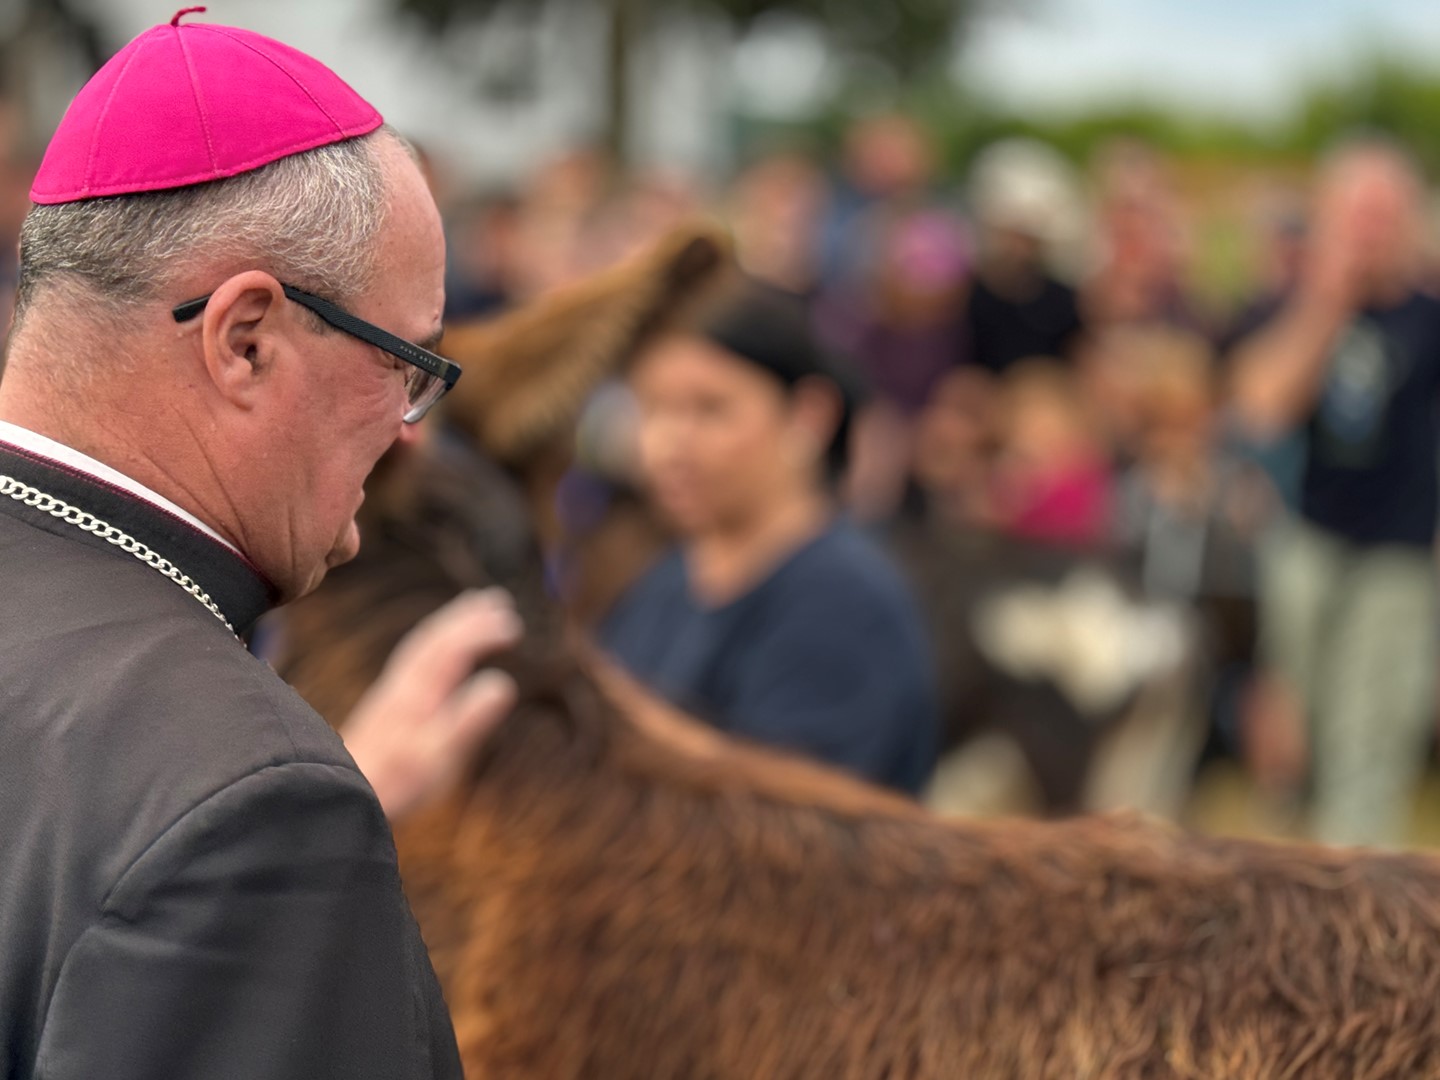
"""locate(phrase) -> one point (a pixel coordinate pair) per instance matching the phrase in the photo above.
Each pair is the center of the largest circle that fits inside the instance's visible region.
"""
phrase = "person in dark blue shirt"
(1350, 363)
(773, 620)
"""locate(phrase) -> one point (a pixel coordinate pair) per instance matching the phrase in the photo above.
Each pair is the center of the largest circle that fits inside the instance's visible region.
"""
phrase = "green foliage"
(1391, 96)
(909, 36)
(915, 39)
(906, 38)
(1387, 96)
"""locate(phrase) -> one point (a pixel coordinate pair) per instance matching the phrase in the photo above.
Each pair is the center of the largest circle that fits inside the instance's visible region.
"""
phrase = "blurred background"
(1046, 234)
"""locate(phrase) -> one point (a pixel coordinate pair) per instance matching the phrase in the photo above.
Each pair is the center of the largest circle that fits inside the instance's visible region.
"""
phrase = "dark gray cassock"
(195, 880)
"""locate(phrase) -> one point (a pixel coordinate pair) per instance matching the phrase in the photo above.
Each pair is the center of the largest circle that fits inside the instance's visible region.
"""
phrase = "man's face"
(348, 396)
(1371, 206)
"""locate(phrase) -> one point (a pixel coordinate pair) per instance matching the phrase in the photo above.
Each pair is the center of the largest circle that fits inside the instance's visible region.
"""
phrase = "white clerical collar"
(42, 446)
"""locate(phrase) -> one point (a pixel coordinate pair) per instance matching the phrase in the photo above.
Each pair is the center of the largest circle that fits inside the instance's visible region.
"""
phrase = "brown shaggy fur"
(617, 892)
(605, 901)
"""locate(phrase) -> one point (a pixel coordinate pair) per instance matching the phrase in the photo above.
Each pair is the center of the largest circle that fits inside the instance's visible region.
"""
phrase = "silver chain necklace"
(56, 508)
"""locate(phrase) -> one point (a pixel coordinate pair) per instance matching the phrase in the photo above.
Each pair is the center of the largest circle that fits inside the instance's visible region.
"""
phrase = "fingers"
(479, 610)
(445, 647)
(406, 773)
(411, 733)
(413, 730)
(477, 707)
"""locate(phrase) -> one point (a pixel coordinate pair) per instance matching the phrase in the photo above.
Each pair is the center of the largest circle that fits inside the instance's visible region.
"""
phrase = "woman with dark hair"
(773, 619)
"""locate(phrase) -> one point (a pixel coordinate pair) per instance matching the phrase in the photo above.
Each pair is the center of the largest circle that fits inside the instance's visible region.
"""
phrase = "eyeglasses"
(429, 379)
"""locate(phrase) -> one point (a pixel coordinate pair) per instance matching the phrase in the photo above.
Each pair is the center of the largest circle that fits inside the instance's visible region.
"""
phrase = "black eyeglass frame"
(431, 363)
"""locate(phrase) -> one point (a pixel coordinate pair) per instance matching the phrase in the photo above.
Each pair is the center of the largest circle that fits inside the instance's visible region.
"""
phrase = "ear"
(242, 330)
(815, 410)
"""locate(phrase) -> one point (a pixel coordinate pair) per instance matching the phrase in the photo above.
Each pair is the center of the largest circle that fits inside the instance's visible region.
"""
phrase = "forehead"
(1371, 175)
(408, 293)
(679, 363)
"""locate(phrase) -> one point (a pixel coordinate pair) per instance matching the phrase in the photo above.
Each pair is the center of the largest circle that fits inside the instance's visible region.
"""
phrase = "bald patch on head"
(1371, 162)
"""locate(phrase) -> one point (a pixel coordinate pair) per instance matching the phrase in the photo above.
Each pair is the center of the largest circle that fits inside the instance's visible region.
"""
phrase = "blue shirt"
(827, 656)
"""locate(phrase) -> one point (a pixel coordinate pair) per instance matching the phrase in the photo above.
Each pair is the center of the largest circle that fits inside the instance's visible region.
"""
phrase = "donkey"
(617, 891)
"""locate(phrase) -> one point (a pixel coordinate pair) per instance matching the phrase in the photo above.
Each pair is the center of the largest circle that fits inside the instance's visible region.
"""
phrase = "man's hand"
(414, 728)
(1332, 281)
(1279, 372)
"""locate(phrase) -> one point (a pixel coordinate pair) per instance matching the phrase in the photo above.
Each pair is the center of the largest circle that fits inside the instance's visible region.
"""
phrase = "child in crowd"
(1051, 478)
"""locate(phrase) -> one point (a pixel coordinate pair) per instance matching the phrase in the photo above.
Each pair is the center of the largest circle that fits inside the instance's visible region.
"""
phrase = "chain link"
(71, 515)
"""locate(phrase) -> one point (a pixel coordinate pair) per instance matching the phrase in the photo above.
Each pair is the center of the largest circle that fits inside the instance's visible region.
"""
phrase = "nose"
(410, 434)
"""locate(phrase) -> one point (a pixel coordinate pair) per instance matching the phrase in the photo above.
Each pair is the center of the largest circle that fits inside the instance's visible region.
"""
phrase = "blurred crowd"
(1043, 379)
(1043, 364)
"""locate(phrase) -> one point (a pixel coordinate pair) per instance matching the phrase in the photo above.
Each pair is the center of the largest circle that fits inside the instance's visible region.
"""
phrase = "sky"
(1243, 57)
(1246, 58)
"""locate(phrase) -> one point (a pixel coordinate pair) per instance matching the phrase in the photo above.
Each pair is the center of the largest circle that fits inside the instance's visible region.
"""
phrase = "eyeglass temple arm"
(190, 308)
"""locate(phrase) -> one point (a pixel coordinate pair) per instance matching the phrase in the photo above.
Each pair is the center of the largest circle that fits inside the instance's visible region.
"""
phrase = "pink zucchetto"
(186, 103)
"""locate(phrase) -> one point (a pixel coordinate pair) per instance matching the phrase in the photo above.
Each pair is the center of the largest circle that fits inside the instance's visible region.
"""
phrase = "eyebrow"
(432, 342)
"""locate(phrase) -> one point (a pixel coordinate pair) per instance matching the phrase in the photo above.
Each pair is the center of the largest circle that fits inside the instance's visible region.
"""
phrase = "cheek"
(743, 458)
(366, 422)
(343, 446)
(654, 442)
(702, 447)
(752, 432)
(328, 491)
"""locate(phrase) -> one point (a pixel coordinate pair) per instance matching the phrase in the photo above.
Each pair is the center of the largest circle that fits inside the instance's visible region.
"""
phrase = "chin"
(347, 546)
(688, 519)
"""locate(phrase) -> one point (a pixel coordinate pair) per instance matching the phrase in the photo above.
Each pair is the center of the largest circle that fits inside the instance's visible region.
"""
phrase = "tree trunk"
(625, 18)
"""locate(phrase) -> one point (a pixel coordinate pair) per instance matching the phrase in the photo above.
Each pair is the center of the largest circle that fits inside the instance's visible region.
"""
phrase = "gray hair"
(310, 219)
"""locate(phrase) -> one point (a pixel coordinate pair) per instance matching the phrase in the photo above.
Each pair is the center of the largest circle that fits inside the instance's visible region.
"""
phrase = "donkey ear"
(529, 372)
